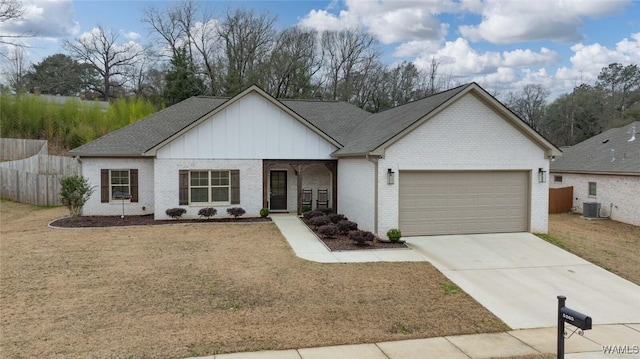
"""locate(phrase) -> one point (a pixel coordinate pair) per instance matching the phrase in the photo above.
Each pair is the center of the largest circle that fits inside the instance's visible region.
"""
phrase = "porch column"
(266, 167)
(299, 188)
(333, 168)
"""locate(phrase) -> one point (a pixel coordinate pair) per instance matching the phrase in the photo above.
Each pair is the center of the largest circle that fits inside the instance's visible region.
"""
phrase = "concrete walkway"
(496, 345)
(535, 341)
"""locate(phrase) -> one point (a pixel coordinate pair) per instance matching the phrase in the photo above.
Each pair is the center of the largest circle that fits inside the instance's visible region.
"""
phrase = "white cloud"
(131, 35)
(389, 21)
(588, 60)
(521, 58)
(322, 20)
(44, 19)
(508, 21)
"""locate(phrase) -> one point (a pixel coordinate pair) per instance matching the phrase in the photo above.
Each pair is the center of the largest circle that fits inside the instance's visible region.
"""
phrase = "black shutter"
(133, 182)
(183, 188)
(235, 186)
(104, 186)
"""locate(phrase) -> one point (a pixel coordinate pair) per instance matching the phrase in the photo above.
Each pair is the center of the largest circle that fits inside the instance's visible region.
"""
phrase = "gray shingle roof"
(380, 127)
(596, 155)
(140, 136)
(358, 131)
(336, 119)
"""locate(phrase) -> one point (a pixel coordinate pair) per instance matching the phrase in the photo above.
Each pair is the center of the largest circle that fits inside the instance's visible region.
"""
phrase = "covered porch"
(284, 180)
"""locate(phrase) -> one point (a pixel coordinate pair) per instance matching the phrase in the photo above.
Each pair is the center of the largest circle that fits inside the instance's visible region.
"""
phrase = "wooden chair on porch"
(307, 197)
(323, 199)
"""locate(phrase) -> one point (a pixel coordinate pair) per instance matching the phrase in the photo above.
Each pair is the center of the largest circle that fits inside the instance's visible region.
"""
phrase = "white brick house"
(455, 162)
(605, 170)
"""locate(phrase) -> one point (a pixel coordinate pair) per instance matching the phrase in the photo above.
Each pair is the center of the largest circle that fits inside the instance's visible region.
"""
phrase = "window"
(118, 184)
(592, 188)
(557, 179)
(209, 186)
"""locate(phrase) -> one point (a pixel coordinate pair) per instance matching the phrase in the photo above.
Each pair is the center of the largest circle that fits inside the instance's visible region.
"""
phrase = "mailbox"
(576, 319)
(566, 315)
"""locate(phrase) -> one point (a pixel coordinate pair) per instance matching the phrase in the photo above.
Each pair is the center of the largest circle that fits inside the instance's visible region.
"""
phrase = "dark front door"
(278, 190)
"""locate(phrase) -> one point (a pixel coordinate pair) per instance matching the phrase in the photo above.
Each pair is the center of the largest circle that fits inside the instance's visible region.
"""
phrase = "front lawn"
(612, 245)
(199, 289)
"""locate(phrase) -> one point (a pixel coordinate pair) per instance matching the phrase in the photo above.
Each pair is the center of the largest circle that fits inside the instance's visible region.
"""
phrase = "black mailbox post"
(566, 315)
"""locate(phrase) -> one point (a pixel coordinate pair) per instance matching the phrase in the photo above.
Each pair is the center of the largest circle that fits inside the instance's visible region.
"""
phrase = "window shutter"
(104, 186)
(133, 182)
(235, 186)
(183, 188)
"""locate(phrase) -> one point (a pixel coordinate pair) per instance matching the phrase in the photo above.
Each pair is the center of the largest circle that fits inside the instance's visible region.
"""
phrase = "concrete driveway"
(518, 276)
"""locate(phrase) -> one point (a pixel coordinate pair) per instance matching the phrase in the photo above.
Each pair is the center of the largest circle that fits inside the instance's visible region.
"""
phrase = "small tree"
(74, 193)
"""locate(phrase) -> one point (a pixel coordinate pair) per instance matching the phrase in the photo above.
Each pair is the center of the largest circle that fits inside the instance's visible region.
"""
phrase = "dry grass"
(190, 290)
(609, 244)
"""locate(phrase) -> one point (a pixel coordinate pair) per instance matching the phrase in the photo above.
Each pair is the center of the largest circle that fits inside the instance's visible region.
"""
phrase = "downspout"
(375, 192)
(79, 165)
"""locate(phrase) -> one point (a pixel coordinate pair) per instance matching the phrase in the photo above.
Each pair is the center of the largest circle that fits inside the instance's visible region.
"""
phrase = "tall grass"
(66, 125)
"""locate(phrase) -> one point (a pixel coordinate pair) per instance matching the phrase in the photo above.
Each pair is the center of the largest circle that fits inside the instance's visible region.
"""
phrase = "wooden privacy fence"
(36, 179)
(560, 200)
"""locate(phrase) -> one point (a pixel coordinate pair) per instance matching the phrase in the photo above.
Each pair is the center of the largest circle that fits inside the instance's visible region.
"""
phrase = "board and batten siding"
(251, 128)
(467, 135)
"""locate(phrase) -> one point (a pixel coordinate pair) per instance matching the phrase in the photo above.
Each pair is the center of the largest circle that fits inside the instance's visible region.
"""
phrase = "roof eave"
(587, 172)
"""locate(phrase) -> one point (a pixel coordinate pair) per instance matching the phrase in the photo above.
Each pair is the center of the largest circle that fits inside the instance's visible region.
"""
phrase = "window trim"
(595, 189)
(111, 185)
(557, 179)
(210, 187)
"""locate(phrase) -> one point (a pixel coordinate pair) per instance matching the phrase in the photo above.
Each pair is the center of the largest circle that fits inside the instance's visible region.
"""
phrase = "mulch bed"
(117, 221)
(343, 243)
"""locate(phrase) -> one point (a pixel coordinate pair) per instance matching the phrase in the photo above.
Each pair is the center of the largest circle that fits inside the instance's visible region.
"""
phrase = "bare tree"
(248, 39)
(530, 104)
(111, 60)
(346, 53)
(12, 10)
(16, 68)
(293, 63)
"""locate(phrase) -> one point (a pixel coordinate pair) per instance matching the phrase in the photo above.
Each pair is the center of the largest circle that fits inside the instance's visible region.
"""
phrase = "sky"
(501, 44)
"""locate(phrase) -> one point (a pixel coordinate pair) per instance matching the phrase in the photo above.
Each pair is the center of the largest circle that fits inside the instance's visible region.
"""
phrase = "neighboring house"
(604, 169)
(455, 162)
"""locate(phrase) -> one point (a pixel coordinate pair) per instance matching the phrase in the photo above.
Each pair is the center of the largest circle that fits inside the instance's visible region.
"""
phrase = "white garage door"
(433, 203)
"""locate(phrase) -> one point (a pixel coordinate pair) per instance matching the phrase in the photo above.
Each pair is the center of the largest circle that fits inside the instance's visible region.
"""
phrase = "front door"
(278, 190)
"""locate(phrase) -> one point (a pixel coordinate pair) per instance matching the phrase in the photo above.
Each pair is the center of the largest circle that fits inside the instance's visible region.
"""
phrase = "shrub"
(335, 218)
(306, 208)
(310, 214)
(319, 221)
(264, 213)
(394, 235)
(361, 236)
(328, 230)
(74, 193)
(235, 212)
(175, 213)
(327, 211)
(345, 226)
(207, 212)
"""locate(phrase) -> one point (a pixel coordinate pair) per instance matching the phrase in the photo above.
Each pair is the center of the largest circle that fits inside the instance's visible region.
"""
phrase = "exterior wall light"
(390, 179)
(542, 175)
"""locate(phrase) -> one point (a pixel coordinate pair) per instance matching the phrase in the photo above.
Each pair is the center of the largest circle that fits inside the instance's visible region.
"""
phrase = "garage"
(463, 202)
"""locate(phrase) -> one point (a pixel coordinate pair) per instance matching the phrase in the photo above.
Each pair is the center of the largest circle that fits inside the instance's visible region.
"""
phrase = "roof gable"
(381, 130)
(230, 102)
(138, 137)
(612, 151)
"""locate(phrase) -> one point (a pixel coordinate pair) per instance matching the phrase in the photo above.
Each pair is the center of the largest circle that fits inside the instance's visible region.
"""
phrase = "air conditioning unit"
(591, 210)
